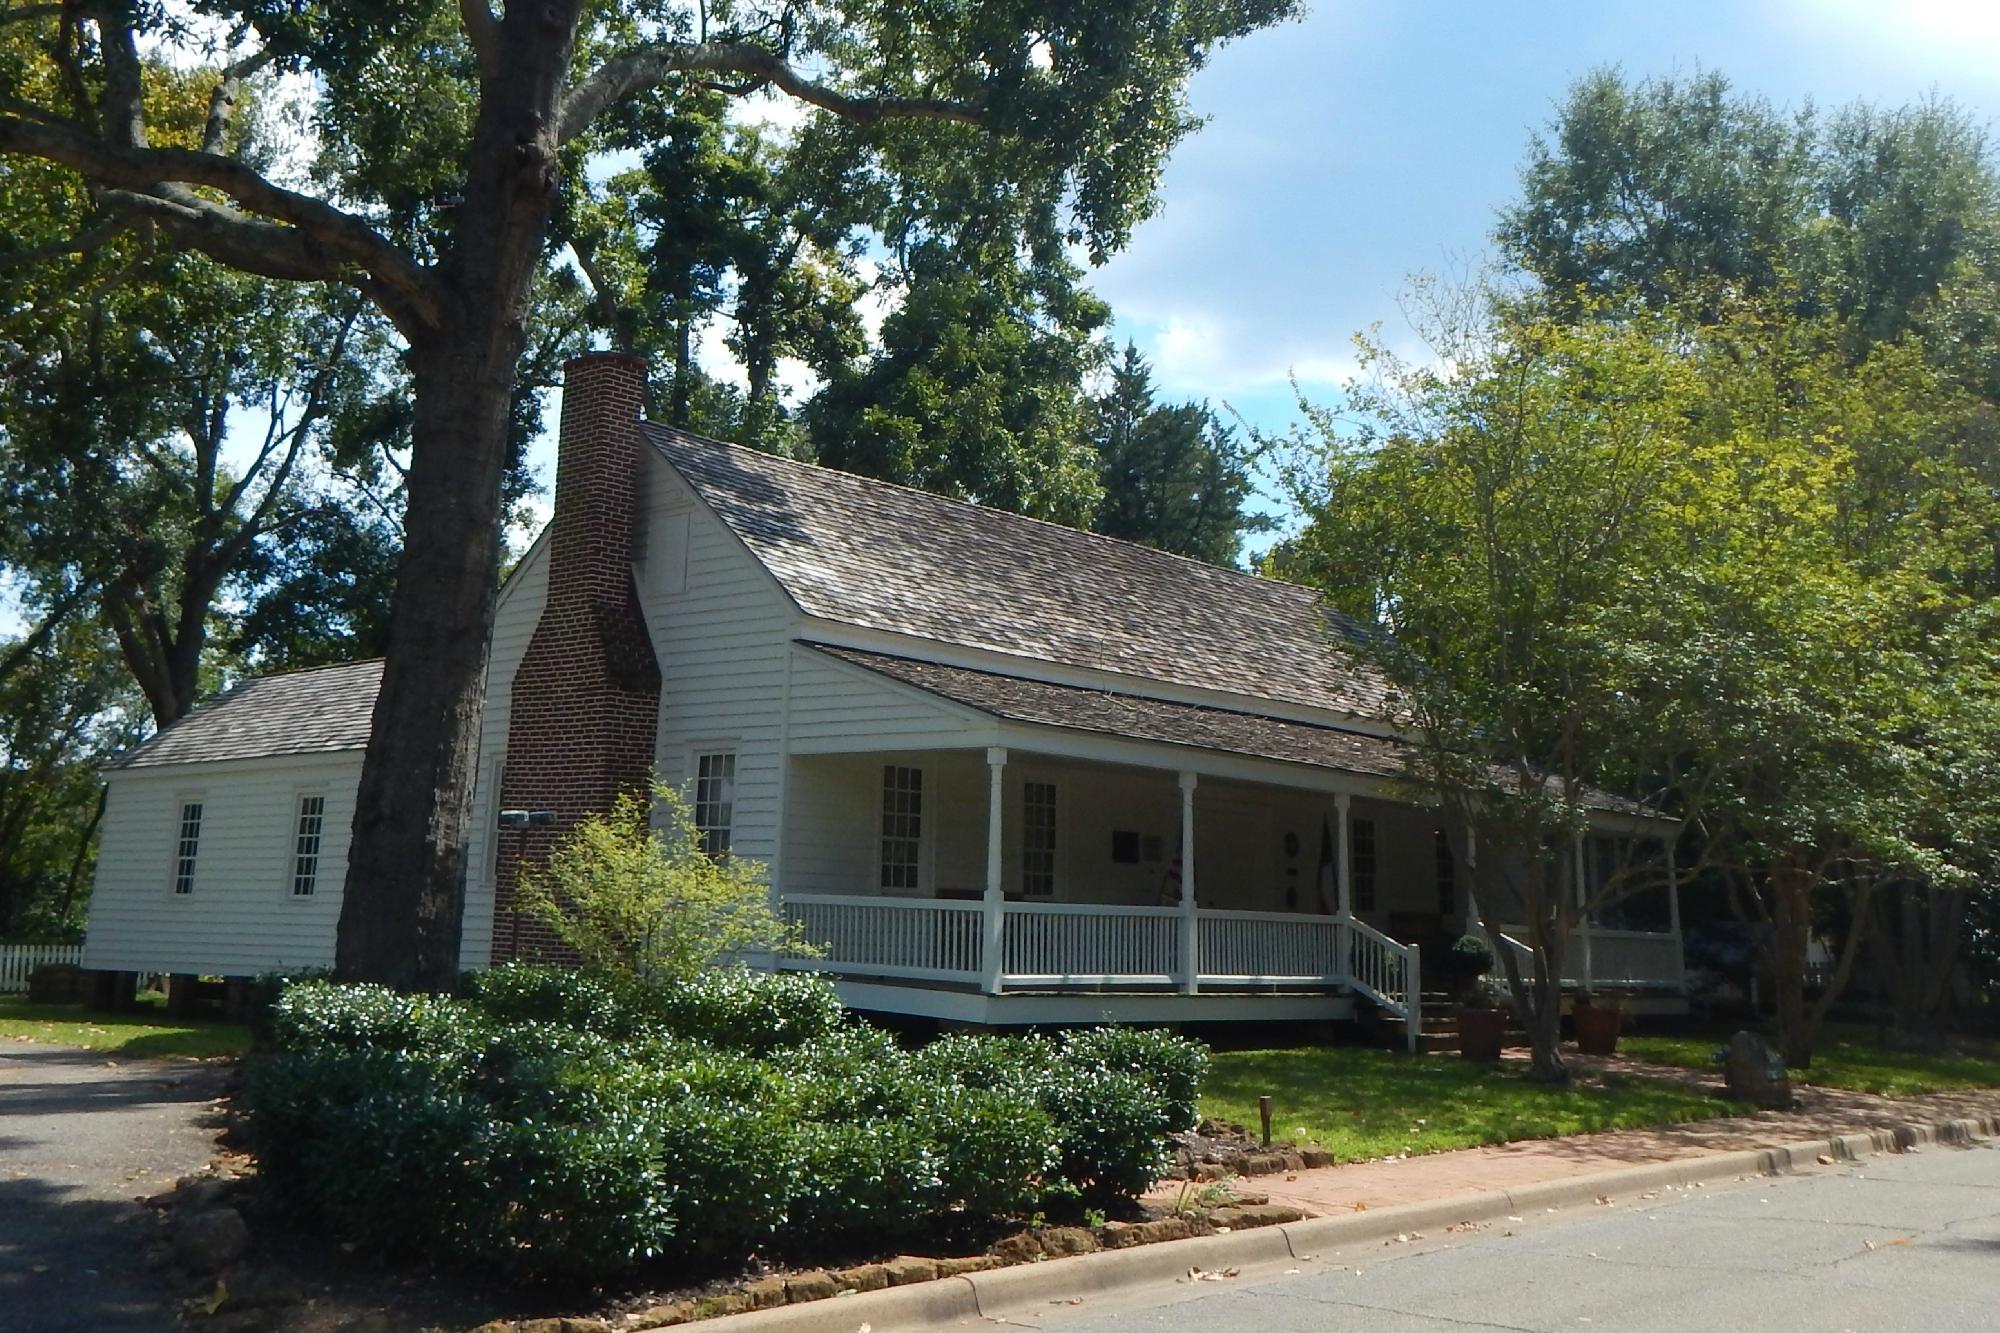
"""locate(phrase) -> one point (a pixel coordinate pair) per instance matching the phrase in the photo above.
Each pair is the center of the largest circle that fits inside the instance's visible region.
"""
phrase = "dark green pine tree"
(1174, 476)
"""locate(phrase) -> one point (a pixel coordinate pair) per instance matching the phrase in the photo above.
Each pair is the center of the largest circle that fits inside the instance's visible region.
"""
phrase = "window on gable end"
(187, 847)
(305, 844)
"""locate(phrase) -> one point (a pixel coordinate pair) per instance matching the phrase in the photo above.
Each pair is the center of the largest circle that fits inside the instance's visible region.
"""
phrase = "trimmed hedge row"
(548, 1121)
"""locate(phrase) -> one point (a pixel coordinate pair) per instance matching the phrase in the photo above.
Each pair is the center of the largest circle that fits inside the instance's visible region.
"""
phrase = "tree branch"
(321, 243)
(124, 112)
(90, 238)
(647, 67)
(482, 33)
(222, 102)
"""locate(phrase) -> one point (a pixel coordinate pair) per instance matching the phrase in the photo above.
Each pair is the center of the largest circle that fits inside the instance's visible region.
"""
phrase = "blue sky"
(1374, 140)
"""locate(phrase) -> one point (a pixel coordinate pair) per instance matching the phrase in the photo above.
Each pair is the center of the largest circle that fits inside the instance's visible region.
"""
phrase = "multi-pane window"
(186, 848)
(305, 850)
(1364, 865)
(715, 800)
(1447, 873)
(1038, 839)
(902, 826)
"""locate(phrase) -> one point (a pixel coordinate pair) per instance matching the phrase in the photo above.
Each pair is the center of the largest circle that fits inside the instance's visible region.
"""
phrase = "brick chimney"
(586, 698)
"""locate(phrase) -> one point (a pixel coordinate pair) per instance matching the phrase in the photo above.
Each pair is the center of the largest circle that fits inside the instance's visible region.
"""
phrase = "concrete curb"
(987, 1295)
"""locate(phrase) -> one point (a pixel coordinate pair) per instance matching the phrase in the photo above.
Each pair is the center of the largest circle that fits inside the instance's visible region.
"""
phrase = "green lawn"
(147, 1033)
(1362, 1103)
(1852, 1058)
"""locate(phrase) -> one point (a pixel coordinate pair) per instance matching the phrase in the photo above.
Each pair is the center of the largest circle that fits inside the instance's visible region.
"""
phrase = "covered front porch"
(1004, 885)
(988, 849)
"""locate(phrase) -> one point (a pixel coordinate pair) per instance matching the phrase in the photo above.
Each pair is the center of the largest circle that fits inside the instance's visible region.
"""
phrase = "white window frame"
(298, 845)
(185, 865)
(1057, 842)
(919, 862)
(698, 757)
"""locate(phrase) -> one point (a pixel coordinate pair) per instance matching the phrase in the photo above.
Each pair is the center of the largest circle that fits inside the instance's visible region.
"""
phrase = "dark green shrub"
(583, 1200)
(856, 1073)
(1173, 1066)
(743, 1010)
(552, 1123)
(873, 1179)
(1111, 1144)
(339, 1132)
(996, 1150)
(320, 1015)
(732, 1168)
(544, 993)
(986, 1062)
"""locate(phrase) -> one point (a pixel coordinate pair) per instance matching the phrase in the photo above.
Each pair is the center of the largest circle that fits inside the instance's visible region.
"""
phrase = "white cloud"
(1203, 353)
(1943, 34)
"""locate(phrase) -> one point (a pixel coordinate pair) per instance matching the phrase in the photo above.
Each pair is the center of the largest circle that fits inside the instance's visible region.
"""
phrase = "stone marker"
(1755, 1073)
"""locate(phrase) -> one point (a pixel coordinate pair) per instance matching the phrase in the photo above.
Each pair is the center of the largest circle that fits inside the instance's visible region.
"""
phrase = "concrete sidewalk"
(1821, 1113)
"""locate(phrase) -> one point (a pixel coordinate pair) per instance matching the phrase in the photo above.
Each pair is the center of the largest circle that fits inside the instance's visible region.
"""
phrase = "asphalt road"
(81, 1138)
(1903, 1242)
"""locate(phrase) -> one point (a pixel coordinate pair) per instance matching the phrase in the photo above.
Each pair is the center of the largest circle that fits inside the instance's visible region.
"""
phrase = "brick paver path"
(1822, 1112)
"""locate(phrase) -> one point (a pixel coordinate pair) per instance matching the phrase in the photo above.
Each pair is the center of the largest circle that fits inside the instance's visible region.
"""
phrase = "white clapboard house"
(1003, 771)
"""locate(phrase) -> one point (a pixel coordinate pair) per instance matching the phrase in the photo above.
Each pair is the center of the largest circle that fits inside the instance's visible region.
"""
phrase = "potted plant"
(1469, 958)
(1482, 1025)
(1597, 1023)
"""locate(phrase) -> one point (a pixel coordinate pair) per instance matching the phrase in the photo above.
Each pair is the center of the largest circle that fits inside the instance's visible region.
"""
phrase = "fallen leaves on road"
(1604, 1199)
(1219, 1275)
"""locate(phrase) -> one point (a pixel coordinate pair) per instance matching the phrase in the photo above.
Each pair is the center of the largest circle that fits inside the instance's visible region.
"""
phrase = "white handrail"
(1620, 958)
(1387, 972)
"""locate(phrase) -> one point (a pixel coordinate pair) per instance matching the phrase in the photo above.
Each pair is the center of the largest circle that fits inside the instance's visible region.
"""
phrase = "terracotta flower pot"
(1481, 1034)
(1597, 1028)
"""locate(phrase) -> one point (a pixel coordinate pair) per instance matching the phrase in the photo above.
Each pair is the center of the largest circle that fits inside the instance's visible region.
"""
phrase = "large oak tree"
(445, 135)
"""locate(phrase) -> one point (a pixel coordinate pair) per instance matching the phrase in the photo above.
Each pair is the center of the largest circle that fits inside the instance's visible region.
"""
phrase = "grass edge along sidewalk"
(993, 1294)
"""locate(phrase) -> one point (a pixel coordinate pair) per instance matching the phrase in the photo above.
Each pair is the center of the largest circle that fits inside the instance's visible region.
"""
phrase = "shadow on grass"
(145, 1035)
(1361, 1103)
(1848, 1057)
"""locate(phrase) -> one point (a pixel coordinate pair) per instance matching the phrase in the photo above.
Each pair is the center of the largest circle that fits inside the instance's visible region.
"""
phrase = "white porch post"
(1190, 923)
(1582, 914)
(995, 900)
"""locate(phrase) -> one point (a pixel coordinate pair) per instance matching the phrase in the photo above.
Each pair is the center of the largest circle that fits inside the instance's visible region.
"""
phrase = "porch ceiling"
(1135, 717)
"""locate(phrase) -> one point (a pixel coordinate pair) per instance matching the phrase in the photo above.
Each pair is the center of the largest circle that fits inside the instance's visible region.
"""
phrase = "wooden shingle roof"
(863, 552)
(1045, 703)
(300, 712)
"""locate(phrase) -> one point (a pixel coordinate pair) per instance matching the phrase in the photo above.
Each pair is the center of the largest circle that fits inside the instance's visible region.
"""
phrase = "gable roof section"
(300, 712)
(863, 552)
(1017, 699)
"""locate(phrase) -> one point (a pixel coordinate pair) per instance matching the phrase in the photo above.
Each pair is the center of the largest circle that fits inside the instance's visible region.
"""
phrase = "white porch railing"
(923, 939)
(1619, 959)
(18, 960)
(1056, 944)
(1270, 948)
(1053, 945)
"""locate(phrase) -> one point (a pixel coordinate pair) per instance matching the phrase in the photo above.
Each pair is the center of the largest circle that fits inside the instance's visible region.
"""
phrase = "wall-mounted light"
(520, 819)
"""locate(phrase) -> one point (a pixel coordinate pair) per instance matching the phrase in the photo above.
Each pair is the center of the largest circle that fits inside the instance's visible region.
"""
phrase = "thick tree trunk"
(404, 903)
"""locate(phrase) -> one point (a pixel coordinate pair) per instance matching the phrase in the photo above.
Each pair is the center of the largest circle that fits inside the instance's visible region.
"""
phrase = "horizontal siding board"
(242, 917)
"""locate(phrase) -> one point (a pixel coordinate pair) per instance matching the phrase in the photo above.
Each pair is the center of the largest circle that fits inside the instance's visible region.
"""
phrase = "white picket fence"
(18, 960)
